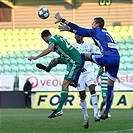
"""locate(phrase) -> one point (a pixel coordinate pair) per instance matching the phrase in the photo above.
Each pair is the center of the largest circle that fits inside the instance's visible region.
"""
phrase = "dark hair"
(100, 21)
(45, 33)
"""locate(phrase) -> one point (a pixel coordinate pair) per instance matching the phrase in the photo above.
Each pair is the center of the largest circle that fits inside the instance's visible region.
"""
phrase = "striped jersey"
(104, 81)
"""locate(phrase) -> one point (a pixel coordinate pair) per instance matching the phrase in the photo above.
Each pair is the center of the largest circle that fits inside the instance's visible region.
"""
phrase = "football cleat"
(86, 122)
(96, 118)
(42, 67)
(55, 114)
(104, 116)
(109, 115)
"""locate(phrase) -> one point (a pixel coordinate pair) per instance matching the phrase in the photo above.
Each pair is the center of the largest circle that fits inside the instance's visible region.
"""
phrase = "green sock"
(102, 105)
(63, 98)
(50, 66)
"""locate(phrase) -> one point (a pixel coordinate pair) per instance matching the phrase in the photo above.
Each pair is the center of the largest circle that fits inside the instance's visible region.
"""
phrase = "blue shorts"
(110, 62)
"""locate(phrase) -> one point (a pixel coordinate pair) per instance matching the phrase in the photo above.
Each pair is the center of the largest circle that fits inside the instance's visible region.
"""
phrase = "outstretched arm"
(69, 26)
(43, 53)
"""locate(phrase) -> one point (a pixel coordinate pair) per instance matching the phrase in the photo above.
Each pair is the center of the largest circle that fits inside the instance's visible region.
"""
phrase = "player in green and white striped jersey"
(104, 84)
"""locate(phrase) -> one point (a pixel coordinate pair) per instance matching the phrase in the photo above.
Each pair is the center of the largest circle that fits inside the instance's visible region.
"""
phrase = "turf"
(36, 121)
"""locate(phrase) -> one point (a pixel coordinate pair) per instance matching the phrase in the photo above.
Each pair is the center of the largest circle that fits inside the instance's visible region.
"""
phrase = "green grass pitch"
(36, 121)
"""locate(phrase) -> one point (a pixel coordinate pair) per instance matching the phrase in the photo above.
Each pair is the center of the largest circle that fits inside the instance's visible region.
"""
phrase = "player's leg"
(63, 98)
(112, 75)
(82, 94)
(83, 104)
(74, 83)
(90, 82)
(54, 62)
(104, 96)
(109, 114)
(72, 70)
(111, 64)
(94, 101)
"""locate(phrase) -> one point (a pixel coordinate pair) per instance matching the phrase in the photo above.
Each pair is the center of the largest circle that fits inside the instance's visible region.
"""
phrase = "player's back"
(64, 48)
(104, 41)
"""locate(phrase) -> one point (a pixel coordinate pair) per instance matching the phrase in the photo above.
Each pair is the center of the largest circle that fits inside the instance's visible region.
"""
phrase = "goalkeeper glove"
(63, 27)
(59, 19)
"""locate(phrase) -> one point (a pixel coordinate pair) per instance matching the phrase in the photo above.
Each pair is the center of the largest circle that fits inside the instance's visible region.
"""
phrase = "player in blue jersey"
(109, 57)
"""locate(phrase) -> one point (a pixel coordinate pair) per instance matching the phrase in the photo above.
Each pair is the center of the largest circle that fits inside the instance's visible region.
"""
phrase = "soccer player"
(72, 58)
(109, 57)
(104, 84)
(87, 78)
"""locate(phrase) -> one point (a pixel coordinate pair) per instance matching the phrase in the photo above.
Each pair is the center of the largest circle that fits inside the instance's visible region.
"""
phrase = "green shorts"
(72, 68)
(104, 93)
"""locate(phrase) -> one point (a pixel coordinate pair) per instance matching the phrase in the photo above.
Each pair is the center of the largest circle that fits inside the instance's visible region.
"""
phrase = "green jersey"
(65, 49)
(68, 55)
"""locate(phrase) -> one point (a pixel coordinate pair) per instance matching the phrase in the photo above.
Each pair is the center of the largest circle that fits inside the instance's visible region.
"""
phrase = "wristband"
(63, 20)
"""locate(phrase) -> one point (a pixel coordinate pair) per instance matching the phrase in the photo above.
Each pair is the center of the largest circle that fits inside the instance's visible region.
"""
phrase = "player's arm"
(43, 53)
(69, 26)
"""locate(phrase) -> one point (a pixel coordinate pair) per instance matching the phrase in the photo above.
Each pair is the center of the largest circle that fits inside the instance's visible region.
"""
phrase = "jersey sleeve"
(85, 32)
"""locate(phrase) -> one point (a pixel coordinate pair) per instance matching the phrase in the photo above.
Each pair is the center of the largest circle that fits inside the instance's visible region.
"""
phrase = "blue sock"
(109, 97)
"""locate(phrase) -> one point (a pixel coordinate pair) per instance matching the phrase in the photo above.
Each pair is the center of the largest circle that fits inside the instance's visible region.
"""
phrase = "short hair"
(45, 33)
(100, 21)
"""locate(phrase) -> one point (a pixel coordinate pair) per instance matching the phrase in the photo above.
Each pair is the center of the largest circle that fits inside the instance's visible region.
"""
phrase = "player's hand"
(58, 17)
(32, 58)
(63, 27)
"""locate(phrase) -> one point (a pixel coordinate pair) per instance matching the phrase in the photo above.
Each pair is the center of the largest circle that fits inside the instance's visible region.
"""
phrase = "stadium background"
(20, 29)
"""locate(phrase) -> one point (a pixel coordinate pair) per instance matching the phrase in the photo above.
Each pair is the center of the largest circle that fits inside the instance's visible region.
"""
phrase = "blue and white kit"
(109, 56)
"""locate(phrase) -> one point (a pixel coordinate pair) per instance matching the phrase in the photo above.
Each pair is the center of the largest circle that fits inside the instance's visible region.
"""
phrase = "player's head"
(98, 22)
(46, 35)
(79, 38)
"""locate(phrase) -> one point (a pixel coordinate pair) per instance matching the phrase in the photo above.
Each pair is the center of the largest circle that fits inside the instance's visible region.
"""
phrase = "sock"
(84, 107)
(102, 105)
(109, 98)
(50, 66)
(94, 103)
(63, 98)
(111, 104)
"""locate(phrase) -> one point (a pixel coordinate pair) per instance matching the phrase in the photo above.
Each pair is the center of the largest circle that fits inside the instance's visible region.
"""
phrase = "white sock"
(84, 107)
(94, 103)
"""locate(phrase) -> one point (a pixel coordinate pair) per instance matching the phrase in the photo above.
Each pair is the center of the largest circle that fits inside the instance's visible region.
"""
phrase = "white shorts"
(85, 80)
